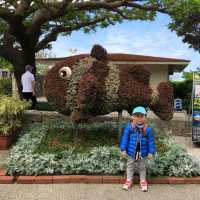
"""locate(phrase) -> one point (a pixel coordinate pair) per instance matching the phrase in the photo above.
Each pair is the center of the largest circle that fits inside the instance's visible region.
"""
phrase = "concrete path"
(178, 115)
(97, 192)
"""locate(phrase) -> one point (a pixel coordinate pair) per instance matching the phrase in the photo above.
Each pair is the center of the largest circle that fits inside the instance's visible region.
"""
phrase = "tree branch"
(87, 5)
(52, 36)
(111, 5)
(22, 7)
(46, 14)
(146, 8)
(7, 50)
(5, 14)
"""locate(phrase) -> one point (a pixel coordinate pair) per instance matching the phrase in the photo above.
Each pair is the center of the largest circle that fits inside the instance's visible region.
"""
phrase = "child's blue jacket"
(130, 138)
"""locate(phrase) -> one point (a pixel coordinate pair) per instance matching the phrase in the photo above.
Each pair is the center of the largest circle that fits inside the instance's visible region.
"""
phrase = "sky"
(152, 38)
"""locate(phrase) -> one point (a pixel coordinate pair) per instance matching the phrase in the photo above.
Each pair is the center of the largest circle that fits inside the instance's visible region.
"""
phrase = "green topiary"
(94, 86)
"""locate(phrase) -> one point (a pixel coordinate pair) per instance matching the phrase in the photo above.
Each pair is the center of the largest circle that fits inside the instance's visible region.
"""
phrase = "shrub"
(6, 86)
(10, 114)
(174, 162)
(183, 90)
(23, 160)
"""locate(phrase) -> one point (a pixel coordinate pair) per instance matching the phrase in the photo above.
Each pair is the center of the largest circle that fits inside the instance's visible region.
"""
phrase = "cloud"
(151, 39)
(156, 43)
(63, 46)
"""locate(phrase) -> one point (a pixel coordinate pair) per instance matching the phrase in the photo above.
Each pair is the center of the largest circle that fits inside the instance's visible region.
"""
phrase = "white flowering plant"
(25, 159)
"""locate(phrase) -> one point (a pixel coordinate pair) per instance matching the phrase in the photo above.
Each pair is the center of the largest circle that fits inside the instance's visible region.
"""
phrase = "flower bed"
(27, 157)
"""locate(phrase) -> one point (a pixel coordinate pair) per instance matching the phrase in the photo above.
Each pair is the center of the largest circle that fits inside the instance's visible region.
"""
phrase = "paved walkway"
(193, 149)
(97, 192)
(178, 115)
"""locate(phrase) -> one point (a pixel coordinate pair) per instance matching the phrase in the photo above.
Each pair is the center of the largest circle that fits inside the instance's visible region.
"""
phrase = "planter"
(6, 141)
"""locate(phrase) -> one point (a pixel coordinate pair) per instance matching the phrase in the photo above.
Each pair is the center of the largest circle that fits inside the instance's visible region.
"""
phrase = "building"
(161, 68)
(5, 73)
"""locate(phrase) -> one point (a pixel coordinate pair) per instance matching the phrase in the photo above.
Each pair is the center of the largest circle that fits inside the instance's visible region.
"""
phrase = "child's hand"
(123, 154)
(150, 157)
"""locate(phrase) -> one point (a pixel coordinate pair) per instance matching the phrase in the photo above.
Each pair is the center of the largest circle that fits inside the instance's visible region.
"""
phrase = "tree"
(5, 83)
(45, 54)
(4, 64)
(27, 26)
(186, 22)
(183, 89)
(41, 69)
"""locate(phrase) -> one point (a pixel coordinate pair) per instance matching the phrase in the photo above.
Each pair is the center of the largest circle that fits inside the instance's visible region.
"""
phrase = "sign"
(178, 104)
(196, 108)
(197, 91)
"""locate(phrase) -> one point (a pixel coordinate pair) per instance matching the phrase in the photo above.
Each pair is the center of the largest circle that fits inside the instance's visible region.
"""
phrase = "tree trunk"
(29, 59)
(76, 135)
(19, 68)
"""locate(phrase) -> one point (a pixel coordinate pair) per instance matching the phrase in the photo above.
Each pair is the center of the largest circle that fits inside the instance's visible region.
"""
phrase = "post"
(76, 132)
(119, 125)
(14, 87)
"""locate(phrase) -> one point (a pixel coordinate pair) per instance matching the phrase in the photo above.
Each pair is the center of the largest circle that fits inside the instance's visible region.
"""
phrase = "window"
(5, 74)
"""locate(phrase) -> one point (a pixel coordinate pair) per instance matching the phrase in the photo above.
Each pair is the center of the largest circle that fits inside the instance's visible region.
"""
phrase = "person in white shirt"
(28, 84)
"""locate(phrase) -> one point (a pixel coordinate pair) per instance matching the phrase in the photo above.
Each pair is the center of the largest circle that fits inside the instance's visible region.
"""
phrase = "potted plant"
(11, 110)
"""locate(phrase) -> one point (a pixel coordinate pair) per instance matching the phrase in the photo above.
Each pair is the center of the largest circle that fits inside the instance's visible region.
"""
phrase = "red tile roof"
(123, 57)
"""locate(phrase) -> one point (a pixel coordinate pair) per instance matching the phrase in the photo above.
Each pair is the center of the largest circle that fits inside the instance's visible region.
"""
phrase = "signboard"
(178, 104)
(196, 108)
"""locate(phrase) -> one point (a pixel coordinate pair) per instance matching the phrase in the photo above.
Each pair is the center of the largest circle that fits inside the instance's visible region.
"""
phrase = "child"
(138, 142)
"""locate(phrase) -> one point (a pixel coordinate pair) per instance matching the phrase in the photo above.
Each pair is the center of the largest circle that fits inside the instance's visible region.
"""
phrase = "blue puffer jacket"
(130, 138)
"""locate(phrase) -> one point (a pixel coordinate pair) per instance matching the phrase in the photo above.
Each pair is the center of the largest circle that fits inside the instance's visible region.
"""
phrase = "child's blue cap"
(139, 109)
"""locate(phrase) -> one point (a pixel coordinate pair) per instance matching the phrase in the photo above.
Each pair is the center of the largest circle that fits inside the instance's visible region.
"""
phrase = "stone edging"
(101, 179)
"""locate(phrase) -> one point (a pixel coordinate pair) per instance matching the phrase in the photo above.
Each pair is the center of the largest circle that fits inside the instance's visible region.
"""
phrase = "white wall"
(159, 73)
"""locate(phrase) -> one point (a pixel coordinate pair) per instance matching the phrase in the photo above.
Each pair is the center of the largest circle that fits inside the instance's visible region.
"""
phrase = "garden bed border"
(90, 179)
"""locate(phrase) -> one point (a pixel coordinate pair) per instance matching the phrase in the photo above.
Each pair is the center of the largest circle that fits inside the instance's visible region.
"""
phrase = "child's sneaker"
(127, 185)
(143, 185)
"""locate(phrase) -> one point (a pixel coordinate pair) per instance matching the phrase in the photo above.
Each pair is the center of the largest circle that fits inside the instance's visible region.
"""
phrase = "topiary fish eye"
(65, 72)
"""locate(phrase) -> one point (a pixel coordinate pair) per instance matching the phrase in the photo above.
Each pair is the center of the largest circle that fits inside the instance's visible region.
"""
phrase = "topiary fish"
(83, 86)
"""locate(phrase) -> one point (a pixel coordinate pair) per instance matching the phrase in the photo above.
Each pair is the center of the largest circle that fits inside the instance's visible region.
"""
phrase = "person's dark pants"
(29, 96)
